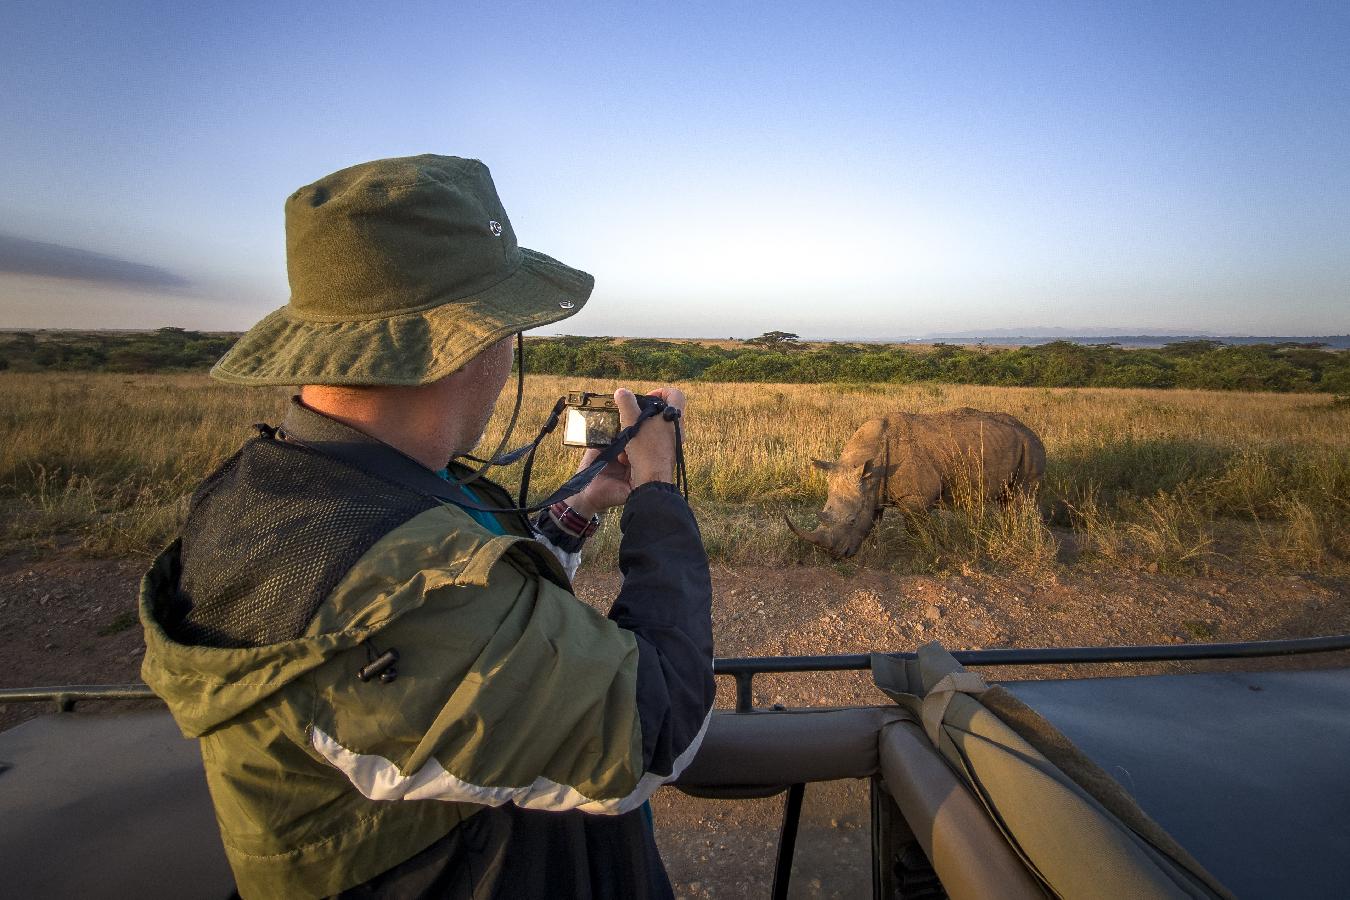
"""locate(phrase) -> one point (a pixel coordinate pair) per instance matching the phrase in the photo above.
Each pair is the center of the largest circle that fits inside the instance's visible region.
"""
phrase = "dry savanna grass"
(1141, 480)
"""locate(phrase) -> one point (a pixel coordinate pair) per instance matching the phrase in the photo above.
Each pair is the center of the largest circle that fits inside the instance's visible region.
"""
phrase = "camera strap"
(527, 451)
(496, 458)
(317, 434)
(368, 455)
(577, 482)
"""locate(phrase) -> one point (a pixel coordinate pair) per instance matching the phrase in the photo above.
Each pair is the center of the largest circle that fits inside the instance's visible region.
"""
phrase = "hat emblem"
(566, 304)
(495, 227)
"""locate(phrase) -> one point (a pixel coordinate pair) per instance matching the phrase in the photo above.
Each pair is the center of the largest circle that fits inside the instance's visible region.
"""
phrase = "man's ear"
(824, 466)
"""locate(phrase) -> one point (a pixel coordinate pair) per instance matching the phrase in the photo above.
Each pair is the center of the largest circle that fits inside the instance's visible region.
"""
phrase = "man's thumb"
(628, 407)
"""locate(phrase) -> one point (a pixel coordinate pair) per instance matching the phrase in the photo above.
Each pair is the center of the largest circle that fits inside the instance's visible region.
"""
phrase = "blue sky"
(833, 169)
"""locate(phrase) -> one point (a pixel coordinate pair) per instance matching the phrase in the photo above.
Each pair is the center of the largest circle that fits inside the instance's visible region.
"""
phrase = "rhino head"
(853, 503)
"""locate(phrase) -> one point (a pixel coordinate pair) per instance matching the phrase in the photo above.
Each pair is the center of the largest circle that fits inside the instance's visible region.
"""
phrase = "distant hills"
(1032, 337)
(1003, 337)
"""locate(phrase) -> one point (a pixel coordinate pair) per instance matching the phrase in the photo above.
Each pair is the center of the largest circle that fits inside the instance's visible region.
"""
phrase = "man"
(396, 693)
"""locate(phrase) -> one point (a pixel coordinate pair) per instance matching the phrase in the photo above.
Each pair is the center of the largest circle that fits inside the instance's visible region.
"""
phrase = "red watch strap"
(568, 520)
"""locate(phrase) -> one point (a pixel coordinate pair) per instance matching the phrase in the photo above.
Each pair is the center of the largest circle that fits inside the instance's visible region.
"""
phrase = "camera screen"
(590, 427)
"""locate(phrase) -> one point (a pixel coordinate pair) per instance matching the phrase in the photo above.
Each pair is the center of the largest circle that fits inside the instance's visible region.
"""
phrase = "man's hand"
(650, 456)
(651, 453)
(609, 489)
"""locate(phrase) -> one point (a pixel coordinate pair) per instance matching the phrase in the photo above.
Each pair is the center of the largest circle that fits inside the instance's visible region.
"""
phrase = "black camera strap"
(496, 458)
(384, 461)
(374, 456)
(527, 451)
(577, 482)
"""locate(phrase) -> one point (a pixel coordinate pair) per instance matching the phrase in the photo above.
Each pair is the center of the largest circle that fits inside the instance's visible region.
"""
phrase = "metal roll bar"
(744, 669)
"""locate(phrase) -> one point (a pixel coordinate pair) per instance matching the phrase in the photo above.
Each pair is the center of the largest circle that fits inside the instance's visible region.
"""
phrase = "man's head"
(430, 422)
(407, 285)
(401, 271)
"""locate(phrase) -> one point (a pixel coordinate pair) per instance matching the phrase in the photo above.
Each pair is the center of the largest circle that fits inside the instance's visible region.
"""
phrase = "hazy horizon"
(1044, 334)
(896, 171)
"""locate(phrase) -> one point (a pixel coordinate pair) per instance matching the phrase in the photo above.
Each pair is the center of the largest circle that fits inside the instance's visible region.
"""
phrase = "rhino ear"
(868, 468)
(823, 465)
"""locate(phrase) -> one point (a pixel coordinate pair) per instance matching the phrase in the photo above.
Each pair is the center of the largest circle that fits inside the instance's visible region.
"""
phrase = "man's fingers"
(673, 396)
(651, 455)
(628, 407)
(587, 457)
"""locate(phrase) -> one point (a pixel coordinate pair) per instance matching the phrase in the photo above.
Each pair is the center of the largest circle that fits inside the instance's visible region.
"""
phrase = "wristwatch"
(564, 527)
(569, 520)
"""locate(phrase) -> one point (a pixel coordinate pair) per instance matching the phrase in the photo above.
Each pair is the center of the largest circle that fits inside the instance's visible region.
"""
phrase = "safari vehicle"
(1194, 785)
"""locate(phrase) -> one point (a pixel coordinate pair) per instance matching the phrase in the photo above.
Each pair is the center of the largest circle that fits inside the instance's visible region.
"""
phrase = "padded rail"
(744, 755)
(969, 854)
(127, 793)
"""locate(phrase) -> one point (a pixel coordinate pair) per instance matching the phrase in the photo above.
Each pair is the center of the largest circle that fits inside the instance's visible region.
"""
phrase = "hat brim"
(409, 348)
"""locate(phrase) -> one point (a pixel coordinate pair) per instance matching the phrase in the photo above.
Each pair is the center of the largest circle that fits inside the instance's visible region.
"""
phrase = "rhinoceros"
(913, 461)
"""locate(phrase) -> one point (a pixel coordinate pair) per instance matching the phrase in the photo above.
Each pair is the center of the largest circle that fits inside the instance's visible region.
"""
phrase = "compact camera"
(592, 420)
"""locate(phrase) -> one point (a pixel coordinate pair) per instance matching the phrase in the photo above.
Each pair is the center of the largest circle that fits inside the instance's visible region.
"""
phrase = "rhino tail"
(1032, 464)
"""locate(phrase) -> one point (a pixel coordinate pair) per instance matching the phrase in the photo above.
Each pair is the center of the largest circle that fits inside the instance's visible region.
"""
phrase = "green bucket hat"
(401, 271)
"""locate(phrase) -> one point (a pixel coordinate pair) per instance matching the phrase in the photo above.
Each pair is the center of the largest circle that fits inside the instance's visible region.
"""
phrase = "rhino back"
(968, 442)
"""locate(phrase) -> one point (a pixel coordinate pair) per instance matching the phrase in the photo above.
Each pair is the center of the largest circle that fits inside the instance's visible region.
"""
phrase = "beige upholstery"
(965, 847)
(1077, 830)
(743, 750)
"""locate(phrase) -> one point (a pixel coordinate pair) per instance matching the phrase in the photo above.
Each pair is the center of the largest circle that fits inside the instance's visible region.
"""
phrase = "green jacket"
(508, 689)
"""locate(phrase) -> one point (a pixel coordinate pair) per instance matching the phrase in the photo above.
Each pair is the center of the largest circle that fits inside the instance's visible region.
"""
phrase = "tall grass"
(1136, 479)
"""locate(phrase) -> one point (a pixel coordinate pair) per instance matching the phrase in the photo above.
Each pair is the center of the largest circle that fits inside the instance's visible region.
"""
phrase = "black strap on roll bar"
(787, 841)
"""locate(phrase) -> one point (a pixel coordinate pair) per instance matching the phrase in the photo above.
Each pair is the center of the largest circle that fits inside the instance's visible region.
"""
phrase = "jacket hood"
(205, 687)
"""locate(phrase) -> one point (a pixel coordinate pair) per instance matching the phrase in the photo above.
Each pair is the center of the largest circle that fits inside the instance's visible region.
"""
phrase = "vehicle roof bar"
(745, 668)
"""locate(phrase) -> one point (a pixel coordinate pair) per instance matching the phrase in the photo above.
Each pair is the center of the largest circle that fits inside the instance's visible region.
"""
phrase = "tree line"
(778, 357)
(162, 350)
(1201, 364)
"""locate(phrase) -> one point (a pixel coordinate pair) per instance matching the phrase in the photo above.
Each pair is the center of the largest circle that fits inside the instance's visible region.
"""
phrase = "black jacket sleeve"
(666, 601)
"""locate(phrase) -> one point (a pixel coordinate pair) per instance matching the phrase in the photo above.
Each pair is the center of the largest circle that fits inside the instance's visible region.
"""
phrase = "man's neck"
(430, 422)
(404, 418)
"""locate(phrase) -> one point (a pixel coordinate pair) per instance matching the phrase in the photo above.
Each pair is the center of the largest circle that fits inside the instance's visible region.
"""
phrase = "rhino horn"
(820, 536)
(824, 465)
(808, 536)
